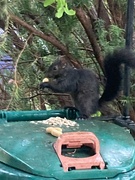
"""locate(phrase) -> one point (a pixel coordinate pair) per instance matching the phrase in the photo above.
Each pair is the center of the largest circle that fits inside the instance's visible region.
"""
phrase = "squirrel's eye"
(55, 68)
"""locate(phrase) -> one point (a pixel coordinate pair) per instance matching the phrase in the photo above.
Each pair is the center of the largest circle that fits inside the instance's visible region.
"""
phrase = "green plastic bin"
(27, 152)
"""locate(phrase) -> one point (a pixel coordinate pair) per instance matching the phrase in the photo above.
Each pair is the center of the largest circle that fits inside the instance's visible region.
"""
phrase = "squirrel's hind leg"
(87, 107)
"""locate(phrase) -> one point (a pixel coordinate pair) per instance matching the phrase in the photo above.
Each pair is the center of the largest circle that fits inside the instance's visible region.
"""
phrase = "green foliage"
(101, 33)
(3, 9)
(128, 101)
(61, 7)
(4, 16)
(17, 101)
(111, 39)
(122, 4)
(116, 36)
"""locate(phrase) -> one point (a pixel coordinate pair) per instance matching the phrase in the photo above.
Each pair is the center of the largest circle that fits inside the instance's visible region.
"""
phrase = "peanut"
(45, 80)
(55, 131)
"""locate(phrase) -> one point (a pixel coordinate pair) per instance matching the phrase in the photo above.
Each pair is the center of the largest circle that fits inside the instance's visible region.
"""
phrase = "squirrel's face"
(57, 69)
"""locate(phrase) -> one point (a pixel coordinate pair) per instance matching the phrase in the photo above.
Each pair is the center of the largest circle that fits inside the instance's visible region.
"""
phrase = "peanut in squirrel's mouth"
(45, 80)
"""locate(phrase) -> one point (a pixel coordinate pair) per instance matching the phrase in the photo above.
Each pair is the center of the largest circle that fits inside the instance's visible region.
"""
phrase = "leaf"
(60, 12)
(97, 114)
(69, 12)
(60, 4)
(48, 2)
(61, 7)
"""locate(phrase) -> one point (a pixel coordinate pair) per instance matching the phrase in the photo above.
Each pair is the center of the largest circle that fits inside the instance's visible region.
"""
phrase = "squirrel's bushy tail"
(112, 66)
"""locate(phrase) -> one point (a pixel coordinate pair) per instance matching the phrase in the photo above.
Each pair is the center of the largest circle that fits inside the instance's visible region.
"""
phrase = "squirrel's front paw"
(43, 85)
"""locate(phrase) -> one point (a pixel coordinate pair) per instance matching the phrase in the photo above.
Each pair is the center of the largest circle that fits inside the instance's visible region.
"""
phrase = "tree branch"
(85, 21)
(47, 37)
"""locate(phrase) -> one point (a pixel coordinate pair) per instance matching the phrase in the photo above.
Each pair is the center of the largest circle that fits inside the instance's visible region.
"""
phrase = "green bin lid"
(26, 146)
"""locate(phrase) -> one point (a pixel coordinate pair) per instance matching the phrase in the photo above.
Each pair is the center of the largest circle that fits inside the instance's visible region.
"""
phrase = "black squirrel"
(83, 84)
